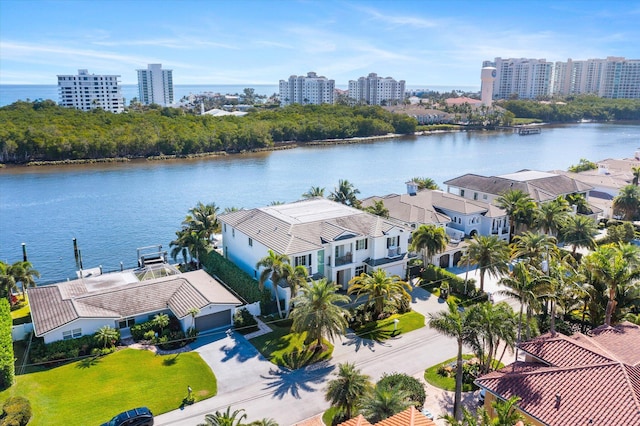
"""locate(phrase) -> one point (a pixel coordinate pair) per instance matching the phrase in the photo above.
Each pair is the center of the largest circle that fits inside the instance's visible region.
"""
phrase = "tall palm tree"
(346, 391)
(489, 253)
(490, 325)
(225, 418)
(627, 201)
(345, 193)
(519, 207)
(313, 192)
(317, 311)
(196, 243)
(551, 216)
(425, 183)
(274, 269)
(454, 323)
(380, 288)
(378, 209)
(429, 239)
(295, 277)
(579, 231)
(203, 218)
(562, 275)
(383, 402)
(524, 284)
(24, 274)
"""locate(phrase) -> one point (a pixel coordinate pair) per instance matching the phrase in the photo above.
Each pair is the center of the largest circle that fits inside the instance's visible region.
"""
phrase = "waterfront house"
(331, 240)
(579, 380)
(460, 217)
(121, 299)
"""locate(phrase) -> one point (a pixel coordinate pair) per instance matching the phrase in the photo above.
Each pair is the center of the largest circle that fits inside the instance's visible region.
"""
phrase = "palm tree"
(317, 311)
(107, 336)
(378, 209)
(161, 321)
(636, 175)
(195, 242)
(534, 248)
(383, 402)
(193, 312)
(264, 422)
(518, 205)
(313, 192)
(345, 193)
(226, 418)
(489, 253)
(627, 201)
(203, 218)
(275, 271)
(295, 277)
(562, 275)
(7, 281)
(490, 325)
(425, 183)
(19, 272)
(430, 238)
(454, 323)
(507, 411)
(550, 217)
(523, 284)
(379, 288)
(579, 231)
(612, 268)
(346, 391)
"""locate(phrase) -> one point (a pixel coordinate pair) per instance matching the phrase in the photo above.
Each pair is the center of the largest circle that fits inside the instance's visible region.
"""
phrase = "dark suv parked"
(137, 417)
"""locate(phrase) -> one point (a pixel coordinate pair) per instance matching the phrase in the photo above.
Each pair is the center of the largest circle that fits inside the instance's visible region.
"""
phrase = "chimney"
(412, 187)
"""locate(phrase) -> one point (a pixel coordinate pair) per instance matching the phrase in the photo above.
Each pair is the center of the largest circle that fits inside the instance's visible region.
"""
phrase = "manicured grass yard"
(383, 329)
(284, 348)
(447, 383)
(22, 315)
(91, 391)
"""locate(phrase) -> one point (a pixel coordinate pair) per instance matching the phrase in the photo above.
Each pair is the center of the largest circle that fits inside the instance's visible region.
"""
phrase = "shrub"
(16, 411)
(407, 383)
(138, 331)
(244, 322)
(236, 279)
(61, 350)
(7, 366)
(434, 276)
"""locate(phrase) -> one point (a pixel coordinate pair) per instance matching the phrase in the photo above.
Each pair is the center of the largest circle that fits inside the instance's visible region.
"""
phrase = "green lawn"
(91, 391)
(284, 348)
(23, 314)
(447, 383)
(384, 329)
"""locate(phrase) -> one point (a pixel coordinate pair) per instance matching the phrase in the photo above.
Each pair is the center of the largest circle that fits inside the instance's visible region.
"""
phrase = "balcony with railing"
(344, 260)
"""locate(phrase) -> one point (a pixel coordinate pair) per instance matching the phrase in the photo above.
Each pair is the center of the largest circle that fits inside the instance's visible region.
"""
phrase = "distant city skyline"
(427, 43)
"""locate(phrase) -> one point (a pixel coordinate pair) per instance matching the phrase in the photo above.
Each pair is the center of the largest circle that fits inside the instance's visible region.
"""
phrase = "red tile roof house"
(574, 381)
(80, 307)
(409, 417)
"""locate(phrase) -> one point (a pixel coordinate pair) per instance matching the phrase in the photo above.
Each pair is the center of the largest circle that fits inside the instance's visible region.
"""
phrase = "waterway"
(113, 209)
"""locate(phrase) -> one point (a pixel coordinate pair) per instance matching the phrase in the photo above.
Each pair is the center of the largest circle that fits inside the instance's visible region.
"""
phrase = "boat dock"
(523, 131)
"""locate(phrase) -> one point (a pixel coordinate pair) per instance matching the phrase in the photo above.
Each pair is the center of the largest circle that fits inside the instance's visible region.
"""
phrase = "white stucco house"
(330, 239)
(121, 299)
(459, 216)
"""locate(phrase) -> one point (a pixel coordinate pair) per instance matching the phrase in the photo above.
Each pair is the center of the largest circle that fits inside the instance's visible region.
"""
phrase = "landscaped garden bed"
(92, 390)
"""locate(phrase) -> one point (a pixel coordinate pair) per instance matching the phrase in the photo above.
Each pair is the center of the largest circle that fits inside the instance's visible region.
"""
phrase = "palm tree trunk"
(457, 402)
(552, 321)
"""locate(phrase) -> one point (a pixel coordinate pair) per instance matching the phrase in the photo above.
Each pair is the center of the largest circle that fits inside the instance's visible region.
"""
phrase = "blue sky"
(424, 42)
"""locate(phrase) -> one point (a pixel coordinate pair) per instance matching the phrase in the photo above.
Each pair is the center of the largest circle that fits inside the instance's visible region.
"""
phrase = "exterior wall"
(90, 91)
(236, 248)
(309, 90)
(19, 332)
(88, 327)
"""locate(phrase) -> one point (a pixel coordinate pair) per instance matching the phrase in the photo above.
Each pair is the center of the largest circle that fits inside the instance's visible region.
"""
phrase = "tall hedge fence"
(434, 276)
(236, 279)
(7, 360)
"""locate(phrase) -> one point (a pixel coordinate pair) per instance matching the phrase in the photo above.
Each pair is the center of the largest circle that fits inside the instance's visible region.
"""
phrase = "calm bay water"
(114, 209)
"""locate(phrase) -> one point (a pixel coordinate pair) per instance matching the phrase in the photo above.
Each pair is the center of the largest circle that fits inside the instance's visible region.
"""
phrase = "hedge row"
(434, 276)
(235, 278)
(7, 366)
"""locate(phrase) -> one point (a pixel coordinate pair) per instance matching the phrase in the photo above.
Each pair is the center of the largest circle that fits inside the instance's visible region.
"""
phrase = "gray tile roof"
(545, 187)
(305, 225)
(108, 296)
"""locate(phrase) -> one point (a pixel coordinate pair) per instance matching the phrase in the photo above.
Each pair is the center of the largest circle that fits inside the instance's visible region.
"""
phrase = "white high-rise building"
(520, 77)
(309, 90)
(155, 85)
(613, 77)
(375, 90)
(90, 91)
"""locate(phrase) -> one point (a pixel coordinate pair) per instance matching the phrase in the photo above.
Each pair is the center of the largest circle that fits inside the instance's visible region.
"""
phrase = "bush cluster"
(170, 337)
(16, 411)
(61, 350)
(407, 383)
(434, 276)
(244, 322)
(7, 366)
(237, 280)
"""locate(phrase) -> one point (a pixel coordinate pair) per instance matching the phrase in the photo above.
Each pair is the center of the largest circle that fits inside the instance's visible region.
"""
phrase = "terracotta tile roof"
(109, 296)
(409, 417)
(580, 380)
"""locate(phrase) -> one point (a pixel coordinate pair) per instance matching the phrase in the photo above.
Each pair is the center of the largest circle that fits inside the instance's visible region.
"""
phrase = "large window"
(126, 322)
(302, 260)
(393, 241)
(362, 244)
(72, 334)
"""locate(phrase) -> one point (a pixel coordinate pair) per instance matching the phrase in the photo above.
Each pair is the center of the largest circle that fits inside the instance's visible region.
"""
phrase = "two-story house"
(330, 239)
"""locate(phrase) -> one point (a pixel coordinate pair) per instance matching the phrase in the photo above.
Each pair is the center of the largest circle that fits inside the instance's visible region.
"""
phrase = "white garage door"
(219, 319)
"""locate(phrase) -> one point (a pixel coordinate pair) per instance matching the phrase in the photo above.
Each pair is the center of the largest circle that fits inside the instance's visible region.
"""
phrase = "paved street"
(247, 381)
